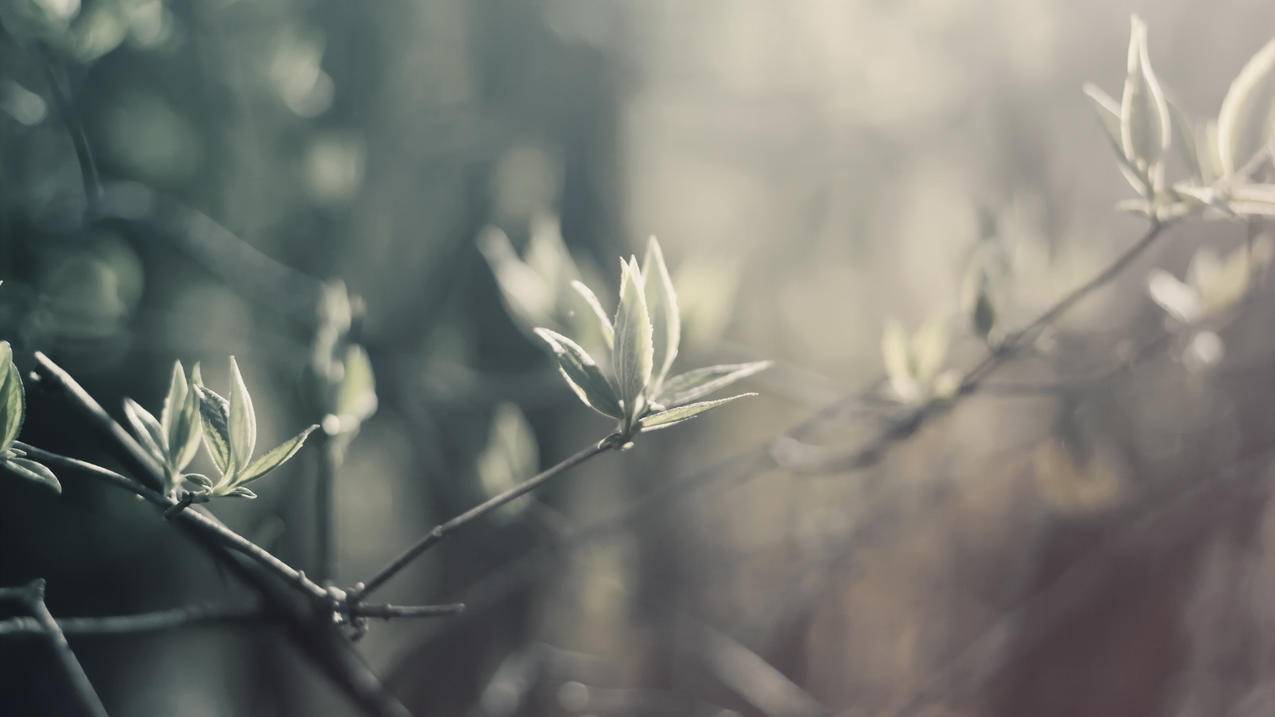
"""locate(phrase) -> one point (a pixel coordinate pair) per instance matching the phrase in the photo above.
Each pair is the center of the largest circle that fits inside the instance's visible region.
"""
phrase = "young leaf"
(356, 397)
(1144, 115)
(666, 321)
(32, 471)
(147, 430)
(674, 416)
(693, 385)
(511, 454)
(1247, 119)
(214, 412)
(12, 399)
(1176, 298)
(184, 441)
(525, 294)
(242, 492)
(1108, 111)
(633, 357)
(604, 323)
(174, 400)
(896, 350)
(274, 457)
(243, 420)
(582, 374)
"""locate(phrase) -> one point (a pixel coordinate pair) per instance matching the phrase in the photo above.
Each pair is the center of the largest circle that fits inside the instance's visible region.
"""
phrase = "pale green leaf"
(511, 454)
(214, 413)
(1247, 119)
(147, 430)
(604, 322)
(13, 405)
(1144, 114)
(174, 401)
(1175, 297)
(674, 416)
(666, 319)
(582, 374)
(356, 398)
(243, 420)
(274, 457)
(693, 385)
(35, 472)
(187, 431)
(633, 357)
(896, 351)
(1108, 112)
(526, 296)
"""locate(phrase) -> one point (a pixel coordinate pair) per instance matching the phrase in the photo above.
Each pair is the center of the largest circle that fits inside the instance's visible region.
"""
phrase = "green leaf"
(1144, 114)
(693, 385)
(526, 296)
(604, 323)
(35, 472)
(274, 457)
(356, 398)
(674, 416)
(582, 374)
(633, 357)
(174, 401)
(184, 439)
(666, 321)
(1247, 119)
(147, 430)
(511, 454)
(243, 421)
(13, 405)
(214, 413)
(242, 492)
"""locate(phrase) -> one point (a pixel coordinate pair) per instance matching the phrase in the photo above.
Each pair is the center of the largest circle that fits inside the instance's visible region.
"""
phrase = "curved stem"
(442, 530)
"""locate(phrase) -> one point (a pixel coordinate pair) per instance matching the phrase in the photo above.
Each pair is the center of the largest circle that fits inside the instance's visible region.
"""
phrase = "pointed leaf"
(582, 374)
(691, 386)
(35, 472)
(666, 321)
(214, 413)
(526, 297)
(1144, 115)
(604, 322)
(13, 405)
(1247, 118)
(147, 430)
(243, 420)
(187, 431)
(633, 357)
(1108, 111)
(242, 492)
(674, 416)
(275, 457)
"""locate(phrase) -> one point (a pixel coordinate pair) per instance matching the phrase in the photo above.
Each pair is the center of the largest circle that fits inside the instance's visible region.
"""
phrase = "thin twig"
(156, 621)
(55, 74)
(214, 528)
(442, 530)
(325, 506)
(31, 596)
(388, 612)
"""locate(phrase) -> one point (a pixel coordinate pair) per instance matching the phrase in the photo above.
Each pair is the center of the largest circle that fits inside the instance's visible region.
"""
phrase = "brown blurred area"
(1087, 536)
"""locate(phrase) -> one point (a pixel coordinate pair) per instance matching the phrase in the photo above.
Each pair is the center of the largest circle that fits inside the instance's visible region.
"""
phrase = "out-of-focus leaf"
(1247, 119)
(693, 385)
(929, 350)
(633, 357)
(526, 296)
(674, 416)
(1144, 114)
(1175, 297)
(356, 399)
(896, 352)
(32, 471)
(666, 321)
(511, 454)
(1108, 112)
(582, 374)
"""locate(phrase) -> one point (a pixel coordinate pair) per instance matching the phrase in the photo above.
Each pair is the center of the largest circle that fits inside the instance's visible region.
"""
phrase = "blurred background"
(1099, 546)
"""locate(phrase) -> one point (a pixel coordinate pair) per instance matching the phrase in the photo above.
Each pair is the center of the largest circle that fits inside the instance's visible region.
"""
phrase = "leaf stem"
(442, 530)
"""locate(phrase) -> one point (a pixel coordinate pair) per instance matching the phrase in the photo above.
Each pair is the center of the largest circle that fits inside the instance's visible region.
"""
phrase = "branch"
(55, 74)
(31, 596)
(198, 615)
(157, 621)
(196, 519)
(325, 508)
(442, 530)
